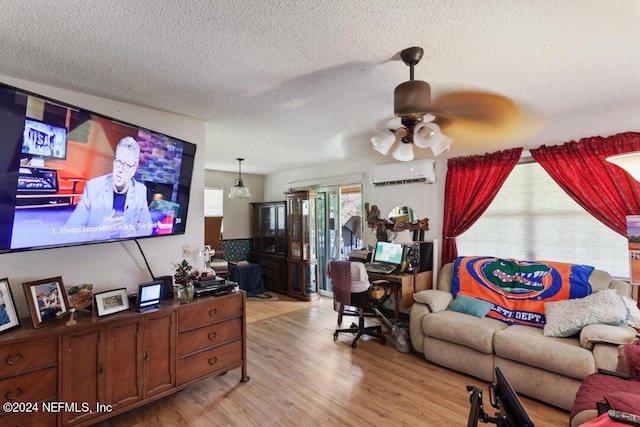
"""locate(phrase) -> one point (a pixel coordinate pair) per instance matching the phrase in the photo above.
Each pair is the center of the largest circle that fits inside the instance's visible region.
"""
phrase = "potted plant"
(184, 276)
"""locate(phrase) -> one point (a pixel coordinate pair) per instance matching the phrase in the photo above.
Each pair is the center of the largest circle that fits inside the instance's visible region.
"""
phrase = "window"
(532, 218)
(213, 199)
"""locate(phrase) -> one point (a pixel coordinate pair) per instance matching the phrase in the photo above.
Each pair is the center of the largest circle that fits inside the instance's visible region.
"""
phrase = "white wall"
(427, 200)
(236, 212)
(113, 265)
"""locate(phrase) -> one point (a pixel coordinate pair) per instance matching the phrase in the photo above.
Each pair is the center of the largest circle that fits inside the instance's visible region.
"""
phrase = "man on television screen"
(115, 205)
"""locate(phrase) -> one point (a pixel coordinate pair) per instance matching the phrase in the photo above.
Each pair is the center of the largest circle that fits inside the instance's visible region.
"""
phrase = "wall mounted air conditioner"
(423, 170)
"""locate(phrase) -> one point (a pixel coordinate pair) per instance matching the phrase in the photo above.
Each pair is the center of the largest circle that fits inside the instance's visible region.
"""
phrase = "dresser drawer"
(209, 310)
(208, 336)
(217, 359)
(33, 387)
(40, 418)
(24, 355)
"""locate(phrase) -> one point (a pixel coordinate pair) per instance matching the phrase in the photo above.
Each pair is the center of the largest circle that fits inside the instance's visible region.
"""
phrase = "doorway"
(340, 213)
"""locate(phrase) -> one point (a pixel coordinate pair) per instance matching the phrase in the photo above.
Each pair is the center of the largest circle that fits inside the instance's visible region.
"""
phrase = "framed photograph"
(8, 314)
(47, 300)
(110, 302)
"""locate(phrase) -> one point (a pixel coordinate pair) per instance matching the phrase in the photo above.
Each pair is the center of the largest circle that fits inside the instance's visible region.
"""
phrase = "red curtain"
(471, 185)
(603, 189)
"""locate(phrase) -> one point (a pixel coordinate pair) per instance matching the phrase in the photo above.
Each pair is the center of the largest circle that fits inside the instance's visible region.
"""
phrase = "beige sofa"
(546, 368)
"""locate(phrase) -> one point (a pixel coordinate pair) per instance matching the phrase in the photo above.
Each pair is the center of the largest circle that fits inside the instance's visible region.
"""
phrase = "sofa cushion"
(435, 299)
(567, 317)
(462, 329)
(528, 345)
(593, 334)
(599, 280)
(469, 305)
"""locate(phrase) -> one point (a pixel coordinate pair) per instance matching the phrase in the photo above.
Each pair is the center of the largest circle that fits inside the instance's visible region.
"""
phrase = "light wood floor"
(301, 377)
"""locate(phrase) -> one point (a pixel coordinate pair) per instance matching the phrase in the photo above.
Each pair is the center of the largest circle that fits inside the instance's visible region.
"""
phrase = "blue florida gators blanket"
(519, 289)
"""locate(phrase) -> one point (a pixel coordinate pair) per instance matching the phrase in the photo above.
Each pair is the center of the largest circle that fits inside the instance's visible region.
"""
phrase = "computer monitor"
(149, 295)
(392, 253)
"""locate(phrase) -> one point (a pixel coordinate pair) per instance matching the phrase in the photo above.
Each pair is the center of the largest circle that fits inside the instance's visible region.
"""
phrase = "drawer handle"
(213, 312)
(14, 360)
(213, 360)
(9, 395)
(212, 335)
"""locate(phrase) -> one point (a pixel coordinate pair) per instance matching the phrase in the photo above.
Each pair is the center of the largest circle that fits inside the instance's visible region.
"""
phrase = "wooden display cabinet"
(302, 245)
(269, 249)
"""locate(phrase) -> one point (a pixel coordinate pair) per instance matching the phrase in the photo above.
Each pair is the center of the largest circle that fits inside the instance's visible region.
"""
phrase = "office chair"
(352, 296)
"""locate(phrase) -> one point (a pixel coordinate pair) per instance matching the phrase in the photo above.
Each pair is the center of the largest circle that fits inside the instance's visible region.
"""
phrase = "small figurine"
(71, 320)
(373, 214)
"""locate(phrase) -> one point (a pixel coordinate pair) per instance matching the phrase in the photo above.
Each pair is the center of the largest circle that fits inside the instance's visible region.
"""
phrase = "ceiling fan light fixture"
(239, 191)
(412, 98)
(403, 152)
(443, 144)
(472, 116)
(412, 105)
(382, 142)
(426, 134)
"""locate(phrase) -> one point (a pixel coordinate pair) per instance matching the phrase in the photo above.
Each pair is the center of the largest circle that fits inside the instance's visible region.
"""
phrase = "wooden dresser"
(101, 367)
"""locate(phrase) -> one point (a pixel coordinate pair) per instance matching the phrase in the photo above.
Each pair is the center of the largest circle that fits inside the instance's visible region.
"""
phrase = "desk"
(407, 284)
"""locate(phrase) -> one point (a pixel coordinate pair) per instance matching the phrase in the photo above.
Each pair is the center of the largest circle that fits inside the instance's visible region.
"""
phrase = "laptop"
(387, 258)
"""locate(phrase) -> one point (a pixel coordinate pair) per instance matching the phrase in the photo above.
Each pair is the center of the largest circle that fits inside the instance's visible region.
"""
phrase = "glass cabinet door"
(305, 229)
(268, 228)
(312, 234)
(280, 223)
(295, 228)
(302, 243)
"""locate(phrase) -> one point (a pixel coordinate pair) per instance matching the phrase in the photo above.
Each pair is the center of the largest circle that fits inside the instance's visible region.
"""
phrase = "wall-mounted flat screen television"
(69, 176)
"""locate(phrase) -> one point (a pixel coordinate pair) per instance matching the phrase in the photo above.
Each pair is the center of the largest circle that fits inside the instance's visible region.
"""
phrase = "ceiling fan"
(436, 123)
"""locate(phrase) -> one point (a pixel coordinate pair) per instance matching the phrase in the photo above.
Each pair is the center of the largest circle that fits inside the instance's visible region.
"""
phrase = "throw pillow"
(469, 305)
(567, 317)
(634, 312)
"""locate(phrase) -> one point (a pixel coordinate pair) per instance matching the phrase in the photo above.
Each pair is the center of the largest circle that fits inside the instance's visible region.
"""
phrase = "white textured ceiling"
(289, 83)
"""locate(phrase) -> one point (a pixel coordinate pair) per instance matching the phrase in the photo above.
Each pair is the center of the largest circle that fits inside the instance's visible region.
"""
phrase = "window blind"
(532, 218)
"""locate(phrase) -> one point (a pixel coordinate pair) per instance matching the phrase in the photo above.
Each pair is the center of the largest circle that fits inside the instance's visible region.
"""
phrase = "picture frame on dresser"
(47, 300)
(8, 314)
(110, 302)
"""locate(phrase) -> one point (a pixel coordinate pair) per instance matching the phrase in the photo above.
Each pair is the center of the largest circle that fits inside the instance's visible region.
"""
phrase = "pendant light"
(239, 191)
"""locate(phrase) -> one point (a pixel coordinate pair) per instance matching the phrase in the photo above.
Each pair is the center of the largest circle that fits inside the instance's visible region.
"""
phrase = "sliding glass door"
(339, 227)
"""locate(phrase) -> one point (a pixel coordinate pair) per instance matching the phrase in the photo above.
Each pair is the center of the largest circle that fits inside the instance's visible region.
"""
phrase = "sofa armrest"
(593, 334)
(436, 300)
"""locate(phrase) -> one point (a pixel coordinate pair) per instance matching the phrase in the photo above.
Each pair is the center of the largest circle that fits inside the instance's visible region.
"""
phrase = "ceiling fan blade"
(478, 117)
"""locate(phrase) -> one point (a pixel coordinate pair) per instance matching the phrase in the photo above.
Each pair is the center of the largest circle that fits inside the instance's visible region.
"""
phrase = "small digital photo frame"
(149, 295)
